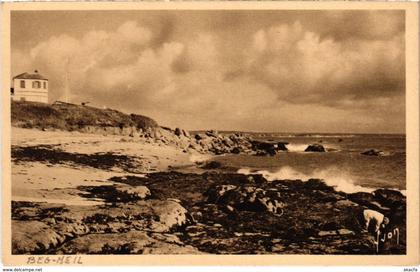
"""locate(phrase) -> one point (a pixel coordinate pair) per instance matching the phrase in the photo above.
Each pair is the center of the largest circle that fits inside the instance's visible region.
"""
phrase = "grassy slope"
(70, 117)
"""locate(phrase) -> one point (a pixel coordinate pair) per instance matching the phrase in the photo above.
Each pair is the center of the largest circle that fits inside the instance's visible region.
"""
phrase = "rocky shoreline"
(92, 181)
(184, 213)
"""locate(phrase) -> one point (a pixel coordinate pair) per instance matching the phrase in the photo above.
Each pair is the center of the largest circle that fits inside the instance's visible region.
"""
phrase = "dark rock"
(318, 184)
(186, 133)
(304, 217)
(212, 165)
(247, 198)
(120, 193)
(257, 145)
(362, 198)
(389, 198)
(341, 204)
(52, 155)
(198, 137)
(214, 193)
(212, 133)
(282, 146)
(178, 132)
(315, 148)
(368, 200)
(330, 226)
(264, 148)
(235, 150)
(372, 152)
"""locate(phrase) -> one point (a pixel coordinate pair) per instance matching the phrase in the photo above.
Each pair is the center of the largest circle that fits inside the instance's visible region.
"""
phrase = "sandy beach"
(57, 183)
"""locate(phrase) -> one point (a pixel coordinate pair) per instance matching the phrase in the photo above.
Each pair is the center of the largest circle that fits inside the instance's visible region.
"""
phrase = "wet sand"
(35, 180)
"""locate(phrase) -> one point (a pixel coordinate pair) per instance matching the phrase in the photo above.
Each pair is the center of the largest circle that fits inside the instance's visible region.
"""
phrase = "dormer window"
(22, 84)
(45, 85)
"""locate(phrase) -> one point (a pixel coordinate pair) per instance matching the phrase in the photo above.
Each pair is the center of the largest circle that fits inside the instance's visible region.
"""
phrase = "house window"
(36, 85)
(45, 85)
(22, 83)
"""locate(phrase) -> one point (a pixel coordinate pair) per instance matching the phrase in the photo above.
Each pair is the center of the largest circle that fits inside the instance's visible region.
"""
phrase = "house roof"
(35, 75)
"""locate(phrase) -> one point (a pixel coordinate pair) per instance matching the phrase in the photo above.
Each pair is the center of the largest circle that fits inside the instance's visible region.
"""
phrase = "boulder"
(315, 148)
(264, 148)
(212, 165)
(212, 133)
(227, 142)
(214, 193)
(248, 198)
(372, 152)
(170, 213)
(282, 146)
(327, 233)
(345, 232)
(341, 204)
(131, 192)
(389, 198)
(362, 198)
(368, 200)
(71, 229)
(32, 237)
(117, 193)
(178, 132)
(235, 150)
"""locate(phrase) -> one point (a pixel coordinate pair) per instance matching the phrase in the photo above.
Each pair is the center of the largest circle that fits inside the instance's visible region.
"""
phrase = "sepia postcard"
(210, 133)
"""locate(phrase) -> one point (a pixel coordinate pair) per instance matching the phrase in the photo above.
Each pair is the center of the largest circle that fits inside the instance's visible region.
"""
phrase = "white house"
(30, 87)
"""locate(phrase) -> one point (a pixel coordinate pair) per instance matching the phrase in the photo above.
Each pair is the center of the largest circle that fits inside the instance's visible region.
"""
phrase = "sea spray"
(296, 147)
(332, 176)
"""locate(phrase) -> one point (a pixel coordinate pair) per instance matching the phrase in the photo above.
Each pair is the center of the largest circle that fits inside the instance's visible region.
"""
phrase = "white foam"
(334, 177)
(301, 147)
(296, 147)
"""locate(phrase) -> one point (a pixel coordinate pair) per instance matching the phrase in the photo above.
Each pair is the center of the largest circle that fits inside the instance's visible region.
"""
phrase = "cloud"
(272, 75)
(302, 67)
(367, 25)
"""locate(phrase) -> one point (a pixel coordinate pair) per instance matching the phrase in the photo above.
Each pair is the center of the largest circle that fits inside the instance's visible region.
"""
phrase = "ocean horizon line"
(302, 134)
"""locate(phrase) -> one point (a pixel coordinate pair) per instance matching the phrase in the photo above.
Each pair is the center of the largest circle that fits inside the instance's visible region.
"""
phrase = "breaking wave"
(291, 147)
(296, 147)
(332, 177)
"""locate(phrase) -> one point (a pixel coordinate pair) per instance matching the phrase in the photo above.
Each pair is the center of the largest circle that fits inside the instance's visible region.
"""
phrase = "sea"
(342, 165)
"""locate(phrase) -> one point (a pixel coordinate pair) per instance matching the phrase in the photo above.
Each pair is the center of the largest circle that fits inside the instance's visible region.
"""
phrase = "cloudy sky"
(283, 71)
